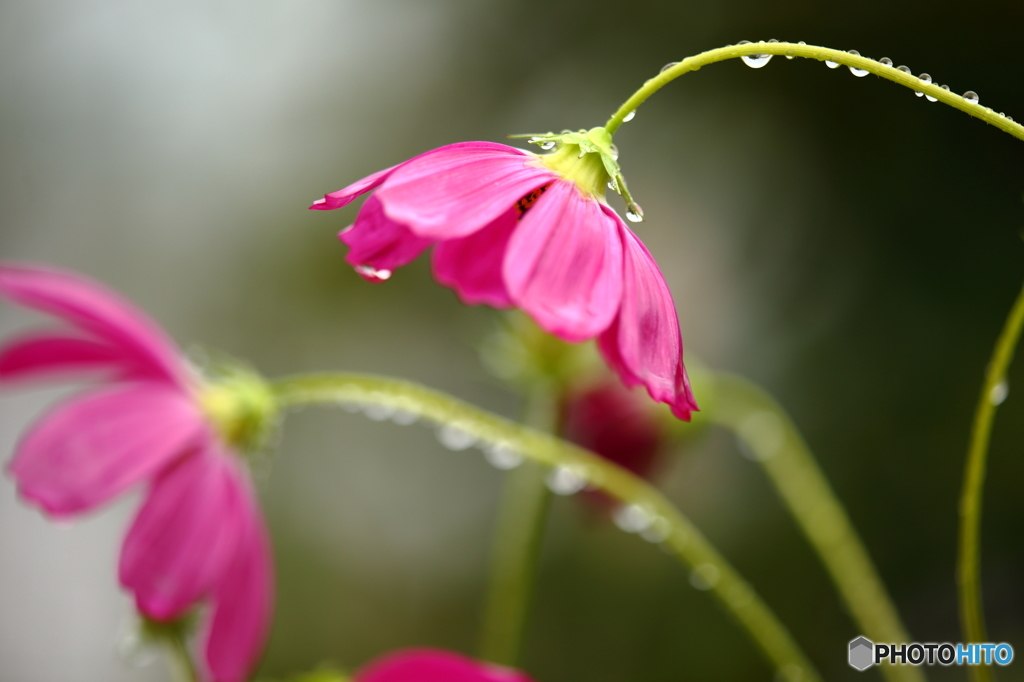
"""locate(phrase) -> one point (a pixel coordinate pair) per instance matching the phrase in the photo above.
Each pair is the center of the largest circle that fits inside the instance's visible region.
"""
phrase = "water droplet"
(503, 456)
(454, 437)
(754, 61)
(404, 417)
(634, 213)
(927, 79)
(885, 61)
(565, 481)
(629, 117)
(831, 65)
(612, 185)
(971, 96)
(999, 392)
(772, 40)
(904, 69)
(859, 73)
(1010, 119)
(547, 145)
(632, 518)
(763, 435)
(705, 576)
(379, 413)
(657, 532)
(667, 67)
(614, 150)
(372, 274)
(945, 87)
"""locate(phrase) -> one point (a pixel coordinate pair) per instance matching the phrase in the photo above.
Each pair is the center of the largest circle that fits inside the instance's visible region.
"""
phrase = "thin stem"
(522, 518)
(774, 441)
(673, 529)
(969, 560)
(821, 54)
(181, 658)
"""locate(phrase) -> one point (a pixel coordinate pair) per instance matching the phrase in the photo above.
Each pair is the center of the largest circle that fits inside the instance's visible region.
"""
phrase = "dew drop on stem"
(564, 481)
(667, 67)
(755, 61)
(629, 117)
(999, 392)
(454, 437)
(971, 96)
(885, 61)
(634, 213)
(503, 456)
(859, 73)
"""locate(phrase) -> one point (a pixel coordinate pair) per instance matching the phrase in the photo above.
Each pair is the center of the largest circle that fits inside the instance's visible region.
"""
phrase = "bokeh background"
(848, 245)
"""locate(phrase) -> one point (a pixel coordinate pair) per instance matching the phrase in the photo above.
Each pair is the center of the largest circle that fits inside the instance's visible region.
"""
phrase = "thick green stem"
(673, 529)
(522, 518)
(821, 54)
(181, 659)
(972, 615)
(774, 442)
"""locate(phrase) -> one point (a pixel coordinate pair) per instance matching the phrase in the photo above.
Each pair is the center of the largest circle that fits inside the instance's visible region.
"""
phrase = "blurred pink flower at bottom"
(199, 534)
(435, 665)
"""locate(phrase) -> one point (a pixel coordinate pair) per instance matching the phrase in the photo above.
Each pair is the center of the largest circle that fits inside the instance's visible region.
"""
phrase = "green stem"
(181, 658)
(776, 444)
(969, 560)
(522, 518)
(674, 530)
(821, 54)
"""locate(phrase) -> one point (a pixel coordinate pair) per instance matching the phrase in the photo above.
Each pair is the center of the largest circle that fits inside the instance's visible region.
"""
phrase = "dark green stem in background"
(522, 518)
(677, 534)
(972, 616)
(775, 443)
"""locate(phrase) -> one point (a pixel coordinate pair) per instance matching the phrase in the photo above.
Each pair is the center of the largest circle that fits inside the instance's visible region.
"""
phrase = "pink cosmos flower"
(512, 228)
(434, 665)
(199, 534)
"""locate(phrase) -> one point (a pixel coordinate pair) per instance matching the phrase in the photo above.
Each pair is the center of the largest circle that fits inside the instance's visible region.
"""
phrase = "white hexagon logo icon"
(862, 653)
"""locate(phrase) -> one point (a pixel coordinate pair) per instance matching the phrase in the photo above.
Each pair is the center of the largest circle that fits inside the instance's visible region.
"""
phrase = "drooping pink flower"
(199, 534)
(435, 665)
(512, 228)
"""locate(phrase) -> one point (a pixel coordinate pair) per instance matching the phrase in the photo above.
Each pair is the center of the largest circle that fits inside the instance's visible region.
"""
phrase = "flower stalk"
(775, 443)
(972, 616)
(678, 534)
(694, 63)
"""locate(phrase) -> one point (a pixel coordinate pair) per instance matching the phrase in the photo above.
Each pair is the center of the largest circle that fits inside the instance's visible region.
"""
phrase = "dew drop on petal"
(667, 67)
(564, 481)
(372, 274)
(704, 576)
(632, 518)
(629, 117)
(634, 213)
(454, 437)
(971, 96)
(885, 61)
(999, 392)
(503, 456)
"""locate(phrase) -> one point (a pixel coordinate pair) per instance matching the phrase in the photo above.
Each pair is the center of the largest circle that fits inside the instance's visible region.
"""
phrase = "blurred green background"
(848, 245)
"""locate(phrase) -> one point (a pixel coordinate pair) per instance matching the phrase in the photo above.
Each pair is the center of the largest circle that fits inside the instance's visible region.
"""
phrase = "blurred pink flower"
(199, 534)
(517, 229)
(435, 665)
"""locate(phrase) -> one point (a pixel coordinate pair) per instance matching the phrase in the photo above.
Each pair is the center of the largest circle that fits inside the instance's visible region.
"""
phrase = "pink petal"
(563, 264)
(344, 197)
(435, 665)
(183, 536)
(644, 345)
(472, 265)
(456, 190)
(244, 598)
(55, 354)
(379, 244)
(98, 311)
(90, 449)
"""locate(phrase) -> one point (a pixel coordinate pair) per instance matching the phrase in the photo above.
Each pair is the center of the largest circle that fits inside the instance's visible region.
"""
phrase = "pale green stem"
(774, 441)
(972, 616)
(181, 658)
(522, 518)
(821, 54)
(676, 532)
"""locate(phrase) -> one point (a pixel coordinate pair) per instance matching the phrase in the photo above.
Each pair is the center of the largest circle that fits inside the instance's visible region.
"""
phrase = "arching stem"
(674, 531)
(821, 54)
(972, 616)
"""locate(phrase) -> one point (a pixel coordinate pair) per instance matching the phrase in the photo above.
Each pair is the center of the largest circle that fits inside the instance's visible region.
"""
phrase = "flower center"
(585, 169)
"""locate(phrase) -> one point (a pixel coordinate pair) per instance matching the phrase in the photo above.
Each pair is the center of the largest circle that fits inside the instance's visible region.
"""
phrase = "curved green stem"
(774, 441)
(969, 560)
(522, 517)
(821, 54)
(674, 530)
